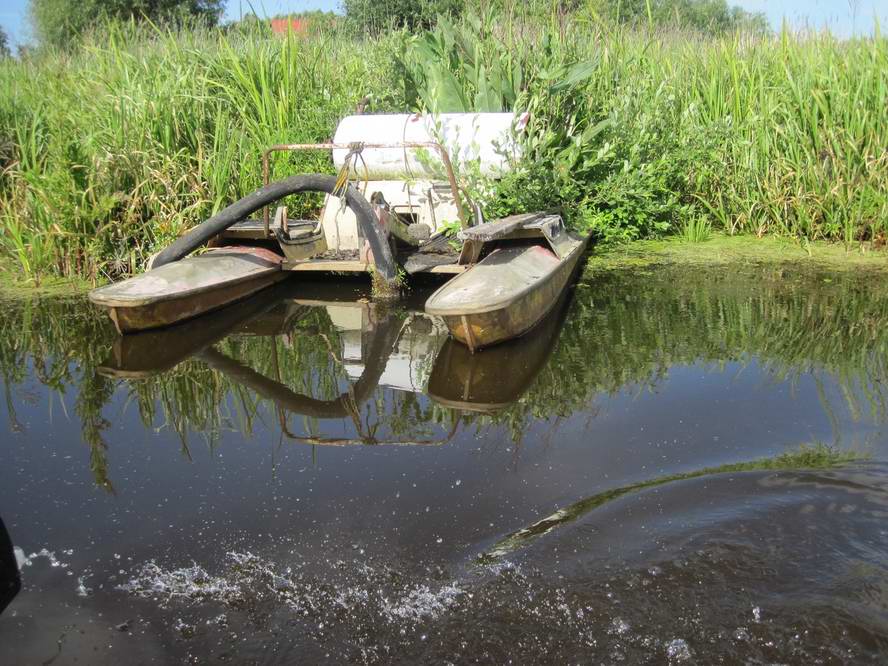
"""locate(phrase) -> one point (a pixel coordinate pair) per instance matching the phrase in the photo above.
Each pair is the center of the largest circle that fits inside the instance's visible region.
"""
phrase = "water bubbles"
(620, 626)
(184, 629)
(677, 650)
(757, 614)
(422, 603)
(82, 589)
(188, 582)
(26, 561)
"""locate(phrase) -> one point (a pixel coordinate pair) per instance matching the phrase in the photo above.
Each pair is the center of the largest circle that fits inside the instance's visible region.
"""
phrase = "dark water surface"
(313, 478)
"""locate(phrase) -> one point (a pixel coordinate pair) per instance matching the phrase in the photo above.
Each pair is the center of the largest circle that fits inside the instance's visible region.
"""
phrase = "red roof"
(280, 26)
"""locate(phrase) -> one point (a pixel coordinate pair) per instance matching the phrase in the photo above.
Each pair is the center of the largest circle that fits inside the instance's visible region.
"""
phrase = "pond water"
(679, 465)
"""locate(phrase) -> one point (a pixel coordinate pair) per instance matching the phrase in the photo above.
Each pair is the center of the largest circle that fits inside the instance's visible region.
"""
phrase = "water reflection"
(475, 382)
(324, 352)
(583, 485)
(355, 349)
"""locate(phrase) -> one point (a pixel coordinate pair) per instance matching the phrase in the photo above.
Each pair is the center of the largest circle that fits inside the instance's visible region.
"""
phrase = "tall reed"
(115, 148)
(136, 136)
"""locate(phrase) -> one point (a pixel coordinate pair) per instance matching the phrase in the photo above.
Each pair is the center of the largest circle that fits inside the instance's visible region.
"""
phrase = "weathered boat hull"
(147, 353)
(188, 288)
(514, 317)
(474, 382)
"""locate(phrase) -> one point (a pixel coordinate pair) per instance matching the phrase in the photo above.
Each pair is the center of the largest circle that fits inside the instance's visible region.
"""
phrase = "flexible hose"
(312, 182)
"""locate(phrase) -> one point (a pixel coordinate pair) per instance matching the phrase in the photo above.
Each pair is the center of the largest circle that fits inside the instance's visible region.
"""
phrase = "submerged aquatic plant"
(816, 456)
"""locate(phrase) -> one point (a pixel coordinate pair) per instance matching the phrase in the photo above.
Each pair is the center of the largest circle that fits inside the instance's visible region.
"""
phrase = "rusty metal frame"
(294, 147)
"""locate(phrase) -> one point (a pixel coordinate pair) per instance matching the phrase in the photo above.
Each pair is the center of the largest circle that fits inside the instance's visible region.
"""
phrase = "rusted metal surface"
(507, 293)
(140, 318)
(159, 350)
(298, 239)
(295, 147)
(474, 382)
(188, 288)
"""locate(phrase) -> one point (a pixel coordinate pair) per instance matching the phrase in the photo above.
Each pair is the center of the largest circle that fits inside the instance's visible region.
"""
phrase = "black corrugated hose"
(312, 182)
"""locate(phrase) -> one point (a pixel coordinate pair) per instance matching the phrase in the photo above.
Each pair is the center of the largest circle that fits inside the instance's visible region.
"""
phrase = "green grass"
(696, 229)
(723, 250)
(116, 147)
(14, 285)
(125, 143)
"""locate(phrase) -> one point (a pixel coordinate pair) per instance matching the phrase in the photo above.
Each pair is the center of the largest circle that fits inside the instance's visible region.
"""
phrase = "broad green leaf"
(486, 99)
(446, 95)
(577, 74)
(594, 130)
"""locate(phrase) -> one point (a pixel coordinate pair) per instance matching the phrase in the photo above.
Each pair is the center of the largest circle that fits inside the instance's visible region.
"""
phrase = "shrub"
(375, 16)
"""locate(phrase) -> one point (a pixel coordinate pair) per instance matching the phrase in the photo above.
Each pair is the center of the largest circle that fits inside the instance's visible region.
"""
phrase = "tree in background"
(709, 16)
(4, 44)
(59, 22)
(377, 15)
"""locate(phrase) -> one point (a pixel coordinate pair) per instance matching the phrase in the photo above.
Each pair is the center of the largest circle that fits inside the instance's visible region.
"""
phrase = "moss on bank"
(719, 250)
(13, 284)
(722, 249)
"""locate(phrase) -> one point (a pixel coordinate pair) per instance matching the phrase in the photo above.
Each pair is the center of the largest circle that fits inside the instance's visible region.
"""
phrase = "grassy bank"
(736, 251)
(112, 149)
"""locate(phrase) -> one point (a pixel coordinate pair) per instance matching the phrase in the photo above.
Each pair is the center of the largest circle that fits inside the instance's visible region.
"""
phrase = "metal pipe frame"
(295, 147)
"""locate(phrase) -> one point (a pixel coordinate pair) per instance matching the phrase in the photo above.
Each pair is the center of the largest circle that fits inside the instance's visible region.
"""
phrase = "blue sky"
(842, 16)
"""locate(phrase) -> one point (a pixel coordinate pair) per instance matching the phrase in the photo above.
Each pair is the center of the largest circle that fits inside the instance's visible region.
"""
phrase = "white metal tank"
(488, 138)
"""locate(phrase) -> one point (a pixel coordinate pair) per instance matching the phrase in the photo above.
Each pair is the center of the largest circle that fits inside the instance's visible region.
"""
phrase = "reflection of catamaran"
(475, 382)
(375, 346)
(509, 273)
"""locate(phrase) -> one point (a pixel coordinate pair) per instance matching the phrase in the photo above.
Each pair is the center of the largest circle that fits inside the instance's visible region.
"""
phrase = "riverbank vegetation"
(721, 250)
(640, 126)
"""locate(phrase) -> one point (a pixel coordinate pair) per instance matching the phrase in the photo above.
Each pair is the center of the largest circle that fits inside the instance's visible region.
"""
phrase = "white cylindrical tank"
(488, 139)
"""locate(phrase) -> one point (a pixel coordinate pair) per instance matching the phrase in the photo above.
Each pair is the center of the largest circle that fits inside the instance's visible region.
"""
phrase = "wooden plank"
(328, 266)
(446, 269)
(500, 228)
(419, 263)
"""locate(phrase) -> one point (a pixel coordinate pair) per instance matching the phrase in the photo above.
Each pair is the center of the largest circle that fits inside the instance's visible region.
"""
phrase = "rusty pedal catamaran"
(387, 213)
